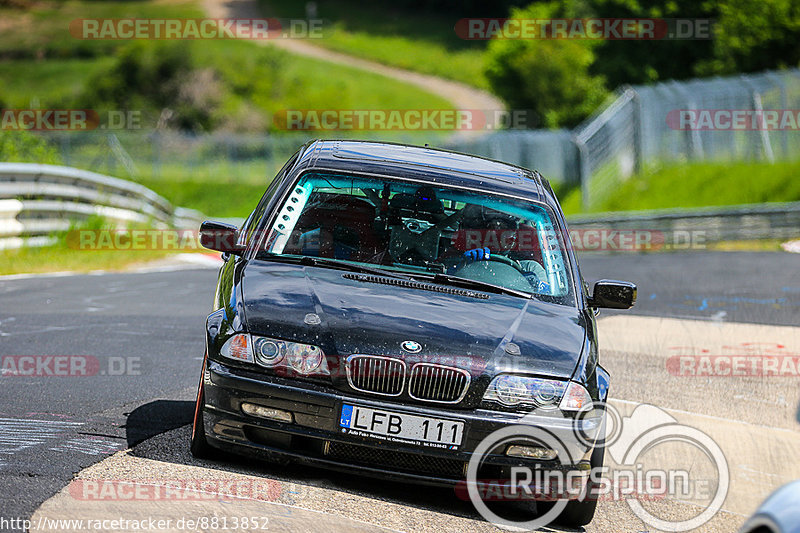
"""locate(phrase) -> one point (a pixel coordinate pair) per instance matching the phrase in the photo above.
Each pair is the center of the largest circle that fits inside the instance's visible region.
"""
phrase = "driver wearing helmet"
(497, 235)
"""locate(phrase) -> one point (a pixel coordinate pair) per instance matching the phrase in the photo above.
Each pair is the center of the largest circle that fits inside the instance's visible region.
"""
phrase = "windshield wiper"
(466, 283)
(308, 260)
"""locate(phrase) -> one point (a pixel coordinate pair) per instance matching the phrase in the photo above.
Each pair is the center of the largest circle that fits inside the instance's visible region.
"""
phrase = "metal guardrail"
(706, 225)
(39, 200)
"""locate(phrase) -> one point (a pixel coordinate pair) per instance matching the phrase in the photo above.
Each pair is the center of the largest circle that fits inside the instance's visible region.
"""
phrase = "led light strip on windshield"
(288, 217)
(554, 261)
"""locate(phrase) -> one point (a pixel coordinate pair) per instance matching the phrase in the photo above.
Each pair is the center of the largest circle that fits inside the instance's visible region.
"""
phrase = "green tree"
(647, 61)
(157, 75)
(755, 35)
(747, 36)
(549, 77)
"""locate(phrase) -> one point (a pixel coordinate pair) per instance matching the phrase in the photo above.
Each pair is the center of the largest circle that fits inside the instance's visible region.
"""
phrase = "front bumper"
(315, 437)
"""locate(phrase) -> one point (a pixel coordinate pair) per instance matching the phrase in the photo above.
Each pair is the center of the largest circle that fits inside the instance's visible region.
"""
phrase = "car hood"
(280, 300)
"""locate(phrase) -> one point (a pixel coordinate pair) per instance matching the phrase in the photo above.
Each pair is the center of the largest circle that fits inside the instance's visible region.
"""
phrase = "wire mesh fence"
(168, 154)
(745, 117)
(641, 126)
(553, 153)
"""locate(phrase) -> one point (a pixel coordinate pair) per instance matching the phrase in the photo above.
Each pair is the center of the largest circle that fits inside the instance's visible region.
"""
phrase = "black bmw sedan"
(386, 308)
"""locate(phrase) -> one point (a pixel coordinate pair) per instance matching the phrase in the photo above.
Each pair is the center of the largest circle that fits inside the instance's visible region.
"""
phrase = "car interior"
(419, 230)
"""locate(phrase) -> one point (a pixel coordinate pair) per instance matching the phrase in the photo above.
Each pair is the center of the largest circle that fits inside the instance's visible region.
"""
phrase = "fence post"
(763, 133)
(156, 151)
(778, 79)
(755, 101)
(66, 150)
(583, 171)
(694, 143)
(638, 153)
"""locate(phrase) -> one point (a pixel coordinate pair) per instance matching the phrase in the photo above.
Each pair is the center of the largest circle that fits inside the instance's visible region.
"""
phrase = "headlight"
(268, 352)
(512, 390)
(276, 354)
(303, 357)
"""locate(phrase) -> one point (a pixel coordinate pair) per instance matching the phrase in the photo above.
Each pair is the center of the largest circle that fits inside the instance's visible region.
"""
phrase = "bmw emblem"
(411, 346)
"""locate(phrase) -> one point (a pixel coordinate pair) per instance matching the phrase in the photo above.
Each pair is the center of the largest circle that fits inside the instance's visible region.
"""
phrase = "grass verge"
(697, 185)
(54, 82)
(69, 251)
(762, 245)
(401, 37)
(213, 199)
(41, 29)
(60, 258)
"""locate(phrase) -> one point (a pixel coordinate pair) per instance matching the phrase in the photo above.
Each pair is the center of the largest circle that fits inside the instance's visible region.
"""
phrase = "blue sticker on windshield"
(347, 414)
(543, 288)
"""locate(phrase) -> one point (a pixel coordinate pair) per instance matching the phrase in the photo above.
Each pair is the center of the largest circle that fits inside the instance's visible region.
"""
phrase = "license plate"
(401, 427)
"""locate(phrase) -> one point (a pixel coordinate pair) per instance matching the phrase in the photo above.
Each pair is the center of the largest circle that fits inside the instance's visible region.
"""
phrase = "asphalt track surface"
(143, 336)
(758, 288)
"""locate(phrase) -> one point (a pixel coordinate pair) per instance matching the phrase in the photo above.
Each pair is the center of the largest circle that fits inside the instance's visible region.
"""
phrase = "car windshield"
(423, 229)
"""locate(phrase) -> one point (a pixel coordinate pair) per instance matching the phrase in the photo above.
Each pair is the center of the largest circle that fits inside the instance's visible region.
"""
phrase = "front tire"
(578, 513)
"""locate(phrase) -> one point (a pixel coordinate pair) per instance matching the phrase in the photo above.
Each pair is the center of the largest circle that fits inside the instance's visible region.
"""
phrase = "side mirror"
(613, 294)
(220, 237)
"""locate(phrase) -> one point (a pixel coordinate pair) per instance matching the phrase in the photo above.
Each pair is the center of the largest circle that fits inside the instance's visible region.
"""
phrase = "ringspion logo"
(627, 440)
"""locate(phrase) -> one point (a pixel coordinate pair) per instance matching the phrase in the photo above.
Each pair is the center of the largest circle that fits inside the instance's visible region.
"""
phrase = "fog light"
(267, 412)
(532, 452)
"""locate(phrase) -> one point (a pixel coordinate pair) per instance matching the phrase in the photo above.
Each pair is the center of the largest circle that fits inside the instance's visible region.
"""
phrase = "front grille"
(376, 374)
(412, 463)
(437, 383)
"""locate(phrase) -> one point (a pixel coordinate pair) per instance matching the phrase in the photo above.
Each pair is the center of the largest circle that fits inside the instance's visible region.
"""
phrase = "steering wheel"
(498, 258)
(503, 259)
